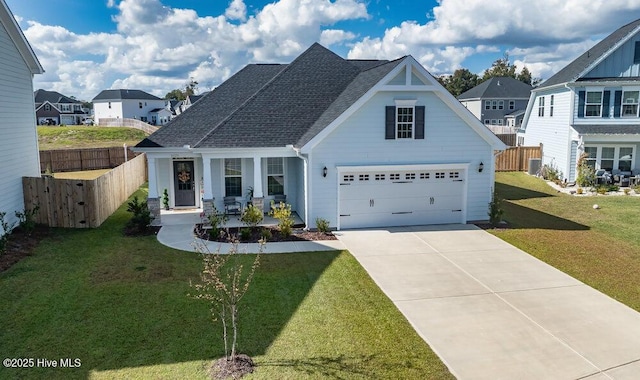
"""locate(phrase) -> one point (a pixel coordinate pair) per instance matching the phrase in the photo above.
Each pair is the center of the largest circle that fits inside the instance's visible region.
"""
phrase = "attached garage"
(384, 196)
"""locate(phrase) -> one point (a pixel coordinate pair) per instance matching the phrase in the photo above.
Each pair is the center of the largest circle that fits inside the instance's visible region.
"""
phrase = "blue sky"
(157, 45)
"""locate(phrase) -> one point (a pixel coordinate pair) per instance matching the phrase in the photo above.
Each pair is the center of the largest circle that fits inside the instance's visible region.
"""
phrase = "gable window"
(139, 104)
(404, 122)
(500, 104)
(541, 106)
(233, 177)
(494, 104)
(593, 104)
(47, 107)
(109, 104)
(551, 106)
(487, 104)
(275, 176)
(630, 103)
(512, 104)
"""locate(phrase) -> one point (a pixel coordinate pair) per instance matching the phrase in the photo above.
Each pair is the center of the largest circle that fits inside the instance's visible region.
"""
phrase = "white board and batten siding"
(358, 146)
(19, 142)
(553, 132)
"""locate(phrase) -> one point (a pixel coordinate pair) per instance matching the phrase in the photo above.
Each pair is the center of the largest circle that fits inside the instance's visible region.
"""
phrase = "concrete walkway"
(492, 311)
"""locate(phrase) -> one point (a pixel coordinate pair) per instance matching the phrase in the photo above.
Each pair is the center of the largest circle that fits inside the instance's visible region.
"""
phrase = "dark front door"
(184, 182)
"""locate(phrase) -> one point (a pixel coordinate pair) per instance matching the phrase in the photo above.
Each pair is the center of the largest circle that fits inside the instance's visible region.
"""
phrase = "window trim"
(224, 172)
(587, 104)
(405, 104)
(616, 155)
(541, 106)
(279, 174)
(623, 103)
(512, 104)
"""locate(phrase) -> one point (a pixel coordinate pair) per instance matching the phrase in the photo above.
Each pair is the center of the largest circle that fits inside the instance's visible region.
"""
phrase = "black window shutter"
(581, 95)
(617, 102)
(605, 103)
(419, 122)
(390, 123)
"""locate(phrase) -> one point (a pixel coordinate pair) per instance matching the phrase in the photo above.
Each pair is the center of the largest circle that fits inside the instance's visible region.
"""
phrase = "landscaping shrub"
(550, 172)
(245, 234)
(586, 174)
(282, 212)
(322, 225)
(27, 219)
(6, 231)
(251, 216)
(265, 234)
(141, 218)
(217, 221)
(495, 210)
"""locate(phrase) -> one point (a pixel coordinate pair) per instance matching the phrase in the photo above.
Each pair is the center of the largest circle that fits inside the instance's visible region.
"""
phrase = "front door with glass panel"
(184, 183)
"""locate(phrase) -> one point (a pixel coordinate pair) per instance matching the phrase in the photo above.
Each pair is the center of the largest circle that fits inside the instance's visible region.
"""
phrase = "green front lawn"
(598, 247)
(120, 305)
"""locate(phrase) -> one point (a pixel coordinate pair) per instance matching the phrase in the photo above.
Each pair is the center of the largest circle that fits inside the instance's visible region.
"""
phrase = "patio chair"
(621, 178)
(277, 199)
(232, 206)
(603, 177)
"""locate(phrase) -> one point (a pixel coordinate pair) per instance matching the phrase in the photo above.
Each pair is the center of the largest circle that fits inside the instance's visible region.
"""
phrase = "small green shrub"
(282, 212)
(6, 231)
(217, 221)
(627, 191)
(251, 216)
(142, 217)
(636, 189)
(165, 199)
(550, 172)
(266, 234)
(586, 174)
(322, 225)
(495, 210)
(245, 234)
(27, 219)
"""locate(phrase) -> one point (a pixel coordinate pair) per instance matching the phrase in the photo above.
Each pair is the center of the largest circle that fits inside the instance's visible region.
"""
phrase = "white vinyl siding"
(18, 146)
(354, 143)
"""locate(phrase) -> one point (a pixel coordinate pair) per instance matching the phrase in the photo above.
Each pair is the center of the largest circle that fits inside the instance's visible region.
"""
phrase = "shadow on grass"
(514, 193)
(526, 218)
(331, 367)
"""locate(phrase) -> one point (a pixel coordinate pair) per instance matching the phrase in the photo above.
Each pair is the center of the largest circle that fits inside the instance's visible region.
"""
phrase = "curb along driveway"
(492, 311)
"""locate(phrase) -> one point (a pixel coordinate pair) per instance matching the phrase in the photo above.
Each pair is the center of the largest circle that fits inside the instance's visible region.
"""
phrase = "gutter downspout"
(305, 161)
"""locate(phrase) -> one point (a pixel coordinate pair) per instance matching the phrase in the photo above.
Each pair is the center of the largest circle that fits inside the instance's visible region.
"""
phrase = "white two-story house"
(591, 106)
(130, 104)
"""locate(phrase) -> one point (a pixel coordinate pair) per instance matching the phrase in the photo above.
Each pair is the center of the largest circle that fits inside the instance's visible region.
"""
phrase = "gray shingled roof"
(121, 94)
(498, 87)
(571, 72)
(41, 96)
(612, 129)
(273, 105)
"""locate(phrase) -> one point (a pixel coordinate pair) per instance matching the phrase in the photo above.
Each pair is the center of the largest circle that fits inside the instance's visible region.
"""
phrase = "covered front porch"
(195, 216)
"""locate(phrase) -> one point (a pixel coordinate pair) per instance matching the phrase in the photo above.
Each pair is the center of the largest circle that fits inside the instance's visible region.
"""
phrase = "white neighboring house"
(129, 104)
(360, 143)
(19, 143)
(591, 106)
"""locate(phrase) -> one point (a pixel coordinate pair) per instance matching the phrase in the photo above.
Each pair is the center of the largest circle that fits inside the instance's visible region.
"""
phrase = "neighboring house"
(19, 143)
(190, 100)
(498, 102)
(130, 104)
(360, 143)
(591, 106)
(53, 108)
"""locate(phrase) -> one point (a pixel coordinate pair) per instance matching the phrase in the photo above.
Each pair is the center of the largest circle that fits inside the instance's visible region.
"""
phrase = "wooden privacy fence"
(83, 203)
(71, 160)
(508, 138)
(516, 158)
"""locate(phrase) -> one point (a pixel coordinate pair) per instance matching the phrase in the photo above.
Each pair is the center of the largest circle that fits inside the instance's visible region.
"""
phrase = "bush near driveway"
(119, 305)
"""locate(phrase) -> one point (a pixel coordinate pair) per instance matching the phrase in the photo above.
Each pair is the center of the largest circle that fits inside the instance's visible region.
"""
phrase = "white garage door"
(401, 197)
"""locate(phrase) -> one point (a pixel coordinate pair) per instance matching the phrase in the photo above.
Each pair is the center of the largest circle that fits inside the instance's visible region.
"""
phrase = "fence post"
(125, 152)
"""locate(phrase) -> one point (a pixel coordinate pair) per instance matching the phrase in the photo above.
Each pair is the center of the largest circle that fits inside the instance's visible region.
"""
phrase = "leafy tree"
(181, 94)
(191, 87)
(177, 94)
(461, 81)
(502, 67)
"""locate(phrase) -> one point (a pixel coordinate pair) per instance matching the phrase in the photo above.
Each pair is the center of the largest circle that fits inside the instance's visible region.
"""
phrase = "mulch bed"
(488, 226)
(21, 244)
(130, 230)
(234, 233)
(226, 369)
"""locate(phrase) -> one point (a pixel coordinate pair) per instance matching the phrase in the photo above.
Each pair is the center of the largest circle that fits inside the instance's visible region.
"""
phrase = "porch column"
(258, 195)
(207, 200)
(153, 182)
(153, 202)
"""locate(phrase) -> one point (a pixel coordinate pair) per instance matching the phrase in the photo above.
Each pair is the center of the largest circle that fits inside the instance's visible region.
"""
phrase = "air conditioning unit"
(534, 165)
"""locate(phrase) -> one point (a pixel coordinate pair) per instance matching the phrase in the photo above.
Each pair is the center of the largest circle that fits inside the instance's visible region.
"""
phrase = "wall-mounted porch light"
(324, 171)
(480, 167)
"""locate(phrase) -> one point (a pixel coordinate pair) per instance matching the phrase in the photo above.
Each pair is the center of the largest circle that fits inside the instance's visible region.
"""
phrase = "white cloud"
(237, 10)
(330, 37)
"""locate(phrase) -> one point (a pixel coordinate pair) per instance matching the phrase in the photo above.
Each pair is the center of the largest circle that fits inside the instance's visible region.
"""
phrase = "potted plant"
(165, 199)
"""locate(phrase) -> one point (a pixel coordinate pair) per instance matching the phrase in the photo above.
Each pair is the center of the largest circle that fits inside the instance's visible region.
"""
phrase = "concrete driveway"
(492, 311)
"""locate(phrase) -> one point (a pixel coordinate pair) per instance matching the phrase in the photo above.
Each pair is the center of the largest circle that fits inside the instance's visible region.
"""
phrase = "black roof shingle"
(498, 87)
(121, 94)
(273, 105)
(53, 97)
